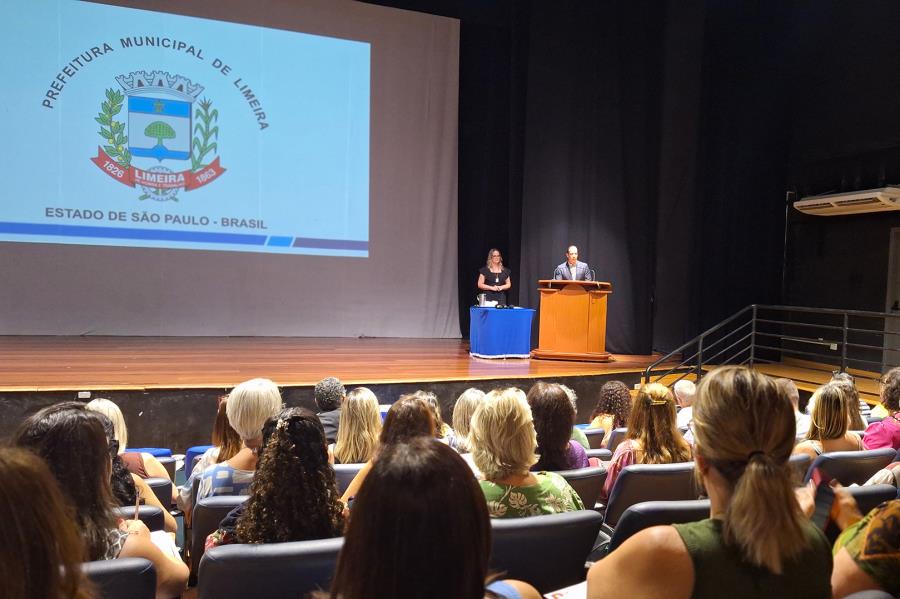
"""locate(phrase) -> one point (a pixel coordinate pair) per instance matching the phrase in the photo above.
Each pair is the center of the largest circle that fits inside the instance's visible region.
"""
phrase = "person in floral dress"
(503, 442)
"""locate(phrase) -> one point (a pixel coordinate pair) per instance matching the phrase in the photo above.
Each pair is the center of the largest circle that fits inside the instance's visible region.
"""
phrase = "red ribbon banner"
(132, 176)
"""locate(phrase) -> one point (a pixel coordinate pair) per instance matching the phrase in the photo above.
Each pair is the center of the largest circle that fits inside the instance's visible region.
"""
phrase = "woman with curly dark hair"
(293, 496)
(554, 417)
(613, 408)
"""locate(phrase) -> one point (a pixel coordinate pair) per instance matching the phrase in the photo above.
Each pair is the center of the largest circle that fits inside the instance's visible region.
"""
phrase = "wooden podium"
(573, 321)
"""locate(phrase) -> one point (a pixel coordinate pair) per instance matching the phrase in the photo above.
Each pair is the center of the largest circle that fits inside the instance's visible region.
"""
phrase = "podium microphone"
(593, 275)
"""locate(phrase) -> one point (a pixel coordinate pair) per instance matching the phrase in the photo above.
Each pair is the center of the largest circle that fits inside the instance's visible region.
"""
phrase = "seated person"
(847, 383)
(442, 553)
(684, 391)
(828, 424)
(577, 435)
(886, 433)
(553, 421)
(72, 441)
(329, 394)
(612, 410)
(293, 496)
(409, 417)
(142, 464)
(503, 441)
(41, 547)
(757, 542)
(789, 388)
(443, 432)
(127, 486)
(249, 405)
(867, 554)
(652, 437)
(226, 443)
(360, 427)
(465, 406)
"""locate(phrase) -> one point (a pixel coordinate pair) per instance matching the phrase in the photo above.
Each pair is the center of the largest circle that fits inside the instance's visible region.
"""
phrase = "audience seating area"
(548, 551)
(240, 571)
(852, 467)
(123, 578)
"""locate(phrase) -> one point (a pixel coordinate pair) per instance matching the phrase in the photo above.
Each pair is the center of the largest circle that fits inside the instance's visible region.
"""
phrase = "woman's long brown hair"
(40, 548)
(652, 425)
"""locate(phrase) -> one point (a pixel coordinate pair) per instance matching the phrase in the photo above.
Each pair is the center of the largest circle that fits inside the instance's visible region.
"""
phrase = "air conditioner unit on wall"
(851, 202)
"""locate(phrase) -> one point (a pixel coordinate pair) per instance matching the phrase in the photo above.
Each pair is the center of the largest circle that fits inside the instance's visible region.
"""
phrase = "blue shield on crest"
(159, 127)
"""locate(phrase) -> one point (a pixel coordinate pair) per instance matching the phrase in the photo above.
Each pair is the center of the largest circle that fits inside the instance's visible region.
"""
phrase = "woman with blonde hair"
(494, 278)
(503, 442)
(409, 417)
(465, 406)
(250, 404)
(652, 438)
(757, 541)
(359, 429)
(828, 424)
(142, 464)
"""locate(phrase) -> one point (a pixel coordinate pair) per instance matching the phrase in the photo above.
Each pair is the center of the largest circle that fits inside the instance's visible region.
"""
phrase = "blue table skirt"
(500, 333)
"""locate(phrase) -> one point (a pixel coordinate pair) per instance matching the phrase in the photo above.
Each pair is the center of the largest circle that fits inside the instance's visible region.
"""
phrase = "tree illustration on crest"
(160, 131)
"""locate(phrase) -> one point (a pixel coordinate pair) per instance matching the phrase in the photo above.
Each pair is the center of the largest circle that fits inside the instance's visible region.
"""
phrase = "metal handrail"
(840, 347)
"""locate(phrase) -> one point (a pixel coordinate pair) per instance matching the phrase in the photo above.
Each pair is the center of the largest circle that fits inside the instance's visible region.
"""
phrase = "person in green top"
(757, 541)
(503, 441)
(577, 434)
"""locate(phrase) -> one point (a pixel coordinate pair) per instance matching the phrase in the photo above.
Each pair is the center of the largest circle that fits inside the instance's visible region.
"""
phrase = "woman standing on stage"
(494, 278)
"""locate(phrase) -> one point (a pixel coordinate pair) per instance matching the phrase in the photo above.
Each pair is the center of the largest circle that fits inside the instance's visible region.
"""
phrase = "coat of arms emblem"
(165, 131)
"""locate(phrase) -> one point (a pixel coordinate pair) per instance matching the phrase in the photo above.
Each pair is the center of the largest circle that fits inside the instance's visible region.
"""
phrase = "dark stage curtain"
(653, 135)
(591, 153)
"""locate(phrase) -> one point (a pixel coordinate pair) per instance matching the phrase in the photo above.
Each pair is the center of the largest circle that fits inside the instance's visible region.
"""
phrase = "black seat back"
(122, 578)
(587, 482)
(799, 465)
(547, 551)
(655, 513)
(268, 570)
(594, 437)
(615, 437)
(850, 467)
(162, 488)
(604, 455)
(208, 513)
(150, 515)
(649, 482)
(168, 463)
(344, 473)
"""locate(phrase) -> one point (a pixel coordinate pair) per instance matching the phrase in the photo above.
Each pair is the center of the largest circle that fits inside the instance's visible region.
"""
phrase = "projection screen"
(228, 168)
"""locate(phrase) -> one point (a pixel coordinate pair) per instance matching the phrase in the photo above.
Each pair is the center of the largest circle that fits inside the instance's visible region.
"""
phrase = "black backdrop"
(660, 137)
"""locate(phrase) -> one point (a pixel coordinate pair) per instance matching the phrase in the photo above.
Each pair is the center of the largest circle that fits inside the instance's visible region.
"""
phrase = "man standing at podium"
(572, 269)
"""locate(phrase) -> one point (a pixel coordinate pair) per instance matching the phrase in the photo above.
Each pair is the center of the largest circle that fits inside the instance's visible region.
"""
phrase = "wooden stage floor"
(132, 363)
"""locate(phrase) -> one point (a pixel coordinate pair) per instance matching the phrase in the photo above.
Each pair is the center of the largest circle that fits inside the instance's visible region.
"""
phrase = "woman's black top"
(494, 278)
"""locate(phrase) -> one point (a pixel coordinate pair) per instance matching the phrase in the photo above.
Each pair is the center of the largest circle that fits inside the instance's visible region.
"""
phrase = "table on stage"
(500, 332)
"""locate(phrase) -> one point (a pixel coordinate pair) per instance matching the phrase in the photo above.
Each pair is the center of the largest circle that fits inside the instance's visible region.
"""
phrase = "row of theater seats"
(548, 551)
(622, 516)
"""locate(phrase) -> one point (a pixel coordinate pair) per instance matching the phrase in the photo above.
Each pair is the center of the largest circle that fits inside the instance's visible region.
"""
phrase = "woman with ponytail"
(757, 542)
